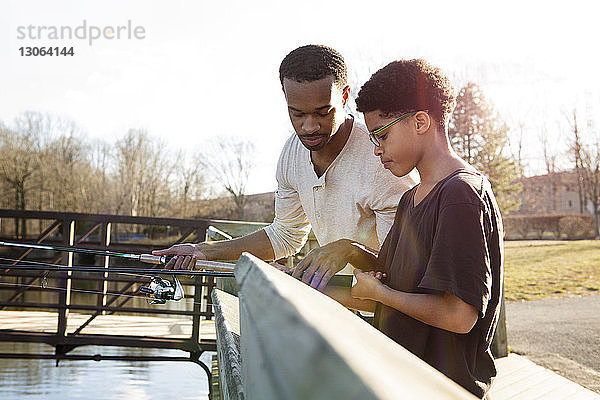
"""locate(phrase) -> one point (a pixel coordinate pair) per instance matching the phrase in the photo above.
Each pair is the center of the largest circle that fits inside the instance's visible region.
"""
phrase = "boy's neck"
(439, 161)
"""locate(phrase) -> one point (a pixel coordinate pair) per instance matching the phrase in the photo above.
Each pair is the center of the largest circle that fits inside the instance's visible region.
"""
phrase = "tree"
(550, 160)
(71, 179)
(20, 161)
(142, 171)
(189, 185)
(47, 164)
(478, 136)
(101, 160)
(587, 166)
(229, 162)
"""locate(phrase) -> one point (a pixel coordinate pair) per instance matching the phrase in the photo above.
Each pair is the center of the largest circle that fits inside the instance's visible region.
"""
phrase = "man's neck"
(323, 158)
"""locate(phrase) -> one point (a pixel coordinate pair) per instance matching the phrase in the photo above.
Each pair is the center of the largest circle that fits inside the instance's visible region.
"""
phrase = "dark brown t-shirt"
(450, 242)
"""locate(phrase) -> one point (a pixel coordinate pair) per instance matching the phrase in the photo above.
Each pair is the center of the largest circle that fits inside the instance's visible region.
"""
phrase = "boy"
(439, 272)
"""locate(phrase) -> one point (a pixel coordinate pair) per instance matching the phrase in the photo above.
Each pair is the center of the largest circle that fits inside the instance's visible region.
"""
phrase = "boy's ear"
(422, 122)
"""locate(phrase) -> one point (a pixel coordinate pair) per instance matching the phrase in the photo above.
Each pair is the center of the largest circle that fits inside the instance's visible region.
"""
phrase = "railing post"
(499, 344)
(209, 282)
(105, 238)
(198, 292)
(198, 286)
(64, 298)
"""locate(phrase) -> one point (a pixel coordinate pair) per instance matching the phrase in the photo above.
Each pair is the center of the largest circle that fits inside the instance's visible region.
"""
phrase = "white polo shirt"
(355, 198)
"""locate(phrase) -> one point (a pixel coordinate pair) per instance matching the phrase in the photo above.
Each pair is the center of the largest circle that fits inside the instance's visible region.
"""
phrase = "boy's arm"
(342, 295)
(444, 310)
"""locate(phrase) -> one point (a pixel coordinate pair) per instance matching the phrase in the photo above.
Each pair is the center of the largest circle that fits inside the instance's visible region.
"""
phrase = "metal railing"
(113, 293)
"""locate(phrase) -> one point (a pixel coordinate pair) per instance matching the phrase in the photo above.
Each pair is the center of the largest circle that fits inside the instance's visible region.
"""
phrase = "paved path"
(560, 334)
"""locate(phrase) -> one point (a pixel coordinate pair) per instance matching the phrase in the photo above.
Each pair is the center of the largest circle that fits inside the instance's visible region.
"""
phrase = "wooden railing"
(281, 339)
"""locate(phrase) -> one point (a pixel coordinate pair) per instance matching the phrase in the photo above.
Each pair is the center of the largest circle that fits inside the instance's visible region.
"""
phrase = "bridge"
(67, 310)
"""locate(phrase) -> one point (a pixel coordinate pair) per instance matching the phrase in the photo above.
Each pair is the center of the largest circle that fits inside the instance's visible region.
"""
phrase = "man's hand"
(184, 255)
(368, 284)
(321, 264)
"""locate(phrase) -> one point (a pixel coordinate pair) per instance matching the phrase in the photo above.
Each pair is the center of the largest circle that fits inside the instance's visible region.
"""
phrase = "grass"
(535, 270)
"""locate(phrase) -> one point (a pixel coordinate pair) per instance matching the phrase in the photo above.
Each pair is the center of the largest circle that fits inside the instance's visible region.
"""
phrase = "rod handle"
(151, 259)
(215, 266)
(200, 264)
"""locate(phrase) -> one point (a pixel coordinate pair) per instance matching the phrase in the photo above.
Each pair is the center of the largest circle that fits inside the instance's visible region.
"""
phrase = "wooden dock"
(518, 378)
(522, 379)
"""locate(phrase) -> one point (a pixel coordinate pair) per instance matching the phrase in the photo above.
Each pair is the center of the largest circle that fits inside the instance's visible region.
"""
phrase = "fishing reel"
(160, 290)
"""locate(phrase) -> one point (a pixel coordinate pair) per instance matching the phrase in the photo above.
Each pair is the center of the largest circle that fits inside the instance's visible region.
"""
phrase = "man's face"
(316, 110)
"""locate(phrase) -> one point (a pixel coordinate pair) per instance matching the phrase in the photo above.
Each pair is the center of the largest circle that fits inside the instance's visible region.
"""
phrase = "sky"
(208, 69)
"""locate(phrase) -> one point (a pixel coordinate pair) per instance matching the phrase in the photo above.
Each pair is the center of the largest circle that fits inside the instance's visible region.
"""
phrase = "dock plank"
(520, 378)
(515, 378)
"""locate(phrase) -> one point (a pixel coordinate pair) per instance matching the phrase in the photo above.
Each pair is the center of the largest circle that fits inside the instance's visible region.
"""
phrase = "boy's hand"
(368, 284)
(321, 264)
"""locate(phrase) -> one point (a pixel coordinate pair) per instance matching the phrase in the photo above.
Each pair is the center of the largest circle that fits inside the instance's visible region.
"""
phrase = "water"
(41, 379)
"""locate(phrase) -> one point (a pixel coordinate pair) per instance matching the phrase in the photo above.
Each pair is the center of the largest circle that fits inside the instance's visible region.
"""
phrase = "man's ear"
(422, 122)
(346, 94)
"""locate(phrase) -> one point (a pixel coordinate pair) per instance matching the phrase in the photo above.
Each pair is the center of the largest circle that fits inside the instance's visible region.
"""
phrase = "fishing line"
(145, 258)
(20, 267)
(70, 249)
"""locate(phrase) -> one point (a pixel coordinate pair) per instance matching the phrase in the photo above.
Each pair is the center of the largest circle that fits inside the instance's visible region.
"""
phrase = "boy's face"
(316, 110)
(398, 145)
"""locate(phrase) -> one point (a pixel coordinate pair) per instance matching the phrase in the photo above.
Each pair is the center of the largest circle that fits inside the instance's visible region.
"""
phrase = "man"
(435, 285)
(325, 178)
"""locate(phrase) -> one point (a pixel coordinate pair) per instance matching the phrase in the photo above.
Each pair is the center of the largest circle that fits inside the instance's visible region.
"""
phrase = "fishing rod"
(158, 291)
(119, 270)
(145, 258)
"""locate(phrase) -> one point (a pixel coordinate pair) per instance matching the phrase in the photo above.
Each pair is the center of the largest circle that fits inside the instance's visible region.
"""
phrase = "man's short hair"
(408, 85)
(314, 62)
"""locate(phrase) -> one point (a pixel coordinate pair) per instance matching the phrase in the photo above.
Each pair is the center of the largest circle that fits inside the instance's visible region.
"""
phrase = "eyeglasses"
(373, 135)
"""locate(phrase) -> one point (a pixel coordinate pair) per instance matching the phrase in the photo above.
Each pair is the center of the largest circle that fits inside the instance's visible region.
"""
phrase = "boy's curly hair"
(408, 85)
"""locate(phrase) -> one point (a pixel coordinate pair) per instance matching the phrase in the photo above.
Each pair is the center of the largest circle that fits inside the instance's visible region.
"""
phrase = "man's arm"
(444, 310)
(256, 243)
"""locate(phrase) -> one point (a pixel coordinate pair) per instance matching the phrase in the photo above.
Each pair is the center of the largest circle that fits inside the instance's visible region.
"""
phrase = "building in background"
(555, 193)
